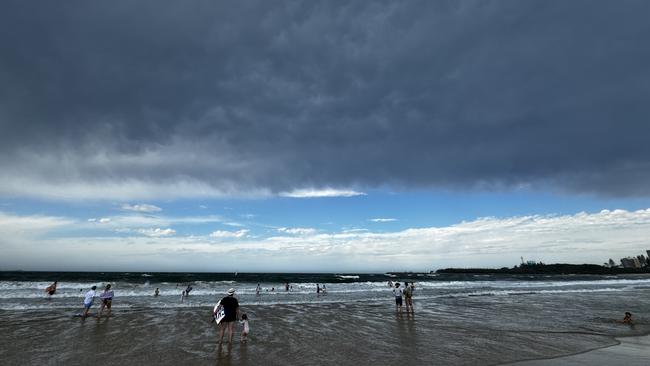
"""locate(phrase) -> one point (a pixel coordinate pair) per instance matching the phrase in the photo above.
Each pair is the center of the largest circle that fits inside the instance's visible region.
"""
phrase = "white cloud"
(354, 230)
(157, 232)
(317, 193)
(103, 220)
(143, 207)
(137, 221)
(382, 220)
(23, 184)
(297, 231)
(490, 241)
(229, 234)
(10, 223)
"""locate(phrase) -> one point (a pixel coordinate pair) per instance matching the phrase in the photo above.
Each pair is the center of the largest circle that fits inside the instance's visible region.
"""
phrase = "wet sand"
(290, 334)
(631, 351)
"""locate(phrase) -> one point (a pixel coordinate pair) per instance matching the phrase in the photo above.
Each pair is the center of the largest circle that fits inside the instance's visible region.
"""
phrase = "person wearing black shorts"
(398, 297)
(231, 309)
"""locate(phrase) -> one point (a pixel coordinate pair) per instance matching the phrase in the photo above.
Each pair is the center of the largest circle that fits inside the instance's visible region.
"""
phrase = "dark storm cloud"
(286, 95)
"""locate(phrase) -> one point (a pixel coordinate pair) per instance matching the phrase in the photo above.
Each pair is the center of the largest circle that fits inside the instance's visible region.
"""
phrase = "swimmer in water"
(627, 319)
(51, 289)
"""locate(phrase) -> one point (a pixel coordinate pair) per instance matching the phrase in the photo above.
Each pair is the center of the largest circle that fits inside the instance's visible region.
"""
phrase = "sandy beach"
(631, 351)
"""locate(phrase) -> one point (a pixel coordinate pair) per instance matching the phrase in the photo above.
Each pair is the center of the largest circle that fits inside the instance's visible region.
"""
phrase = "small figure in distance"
(107, 300)
(88, 301)
(398, 297)
(51, 289)
(318, 289)
(286, 286)
(627, 319)
(258, 289)
(188, 289)
(157, 292)
(246, 329)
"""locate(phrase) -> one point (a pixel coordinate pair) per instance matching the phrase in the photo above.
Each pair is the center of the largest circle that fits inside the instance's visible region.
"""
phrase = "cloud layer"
(491, 241)
(163, 99)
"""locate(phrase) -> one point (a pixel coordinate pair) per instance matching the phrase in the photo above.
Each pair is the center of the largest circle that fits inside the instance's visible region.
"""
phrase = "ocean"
(459, 319)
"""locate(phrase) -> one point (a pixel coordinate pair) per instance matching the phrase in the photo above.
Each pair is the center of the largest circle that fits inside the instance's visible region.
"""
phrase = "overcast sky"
(316, 135)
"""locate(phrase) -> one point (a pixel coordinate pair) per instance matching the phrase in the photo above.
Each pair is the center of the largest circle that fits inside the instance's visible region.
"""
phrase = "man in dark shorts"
(231, 308)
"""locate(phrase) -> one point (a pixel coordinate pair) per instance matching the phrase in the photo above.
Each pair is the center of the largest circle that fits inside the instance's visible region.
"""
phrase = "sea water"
(459, 319)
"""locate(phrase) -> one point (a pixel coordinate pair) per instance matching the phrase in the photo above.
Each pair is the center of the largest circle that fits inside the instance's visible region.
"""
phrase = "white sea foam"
(16, 292)
(276, 300)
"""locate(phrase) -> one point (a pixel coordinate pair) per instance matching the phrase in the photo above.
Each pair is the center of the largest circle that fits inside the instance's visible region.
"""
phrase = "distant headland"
(629, 265)
(557, 268)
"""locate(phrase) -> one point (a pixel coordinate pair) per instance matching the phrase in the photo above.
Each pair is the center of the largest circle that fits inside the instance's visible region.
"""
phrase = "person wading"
(231, 309)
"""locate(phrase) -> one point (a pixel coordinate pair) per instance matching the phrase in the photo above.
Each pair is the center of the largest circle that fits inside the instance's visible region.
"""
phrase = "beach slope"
(632, 351)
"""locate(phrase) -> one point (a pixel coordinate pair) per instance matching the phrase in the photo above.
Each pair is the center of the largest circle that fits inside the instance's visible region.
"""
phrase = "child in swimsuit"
(244, 332)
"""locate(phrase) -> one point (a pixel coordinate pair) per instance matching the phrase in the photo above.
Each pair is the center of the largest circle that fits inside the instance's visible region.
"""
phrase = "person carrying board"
(226, 312)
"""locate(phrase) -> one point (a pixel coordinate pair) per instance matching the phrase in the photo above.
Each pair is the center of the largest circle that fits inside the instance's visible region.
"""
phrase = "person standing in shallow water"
(107, 301)
(398, 297)
(88, 301)
(246, 328)
(408, 296)
(231, 309)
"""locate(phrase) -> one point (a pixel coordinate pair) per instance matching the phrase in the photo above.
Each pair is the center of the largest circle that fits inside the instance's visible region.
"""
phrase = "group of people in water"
(226, 312)
(106, 298)
(403, 296)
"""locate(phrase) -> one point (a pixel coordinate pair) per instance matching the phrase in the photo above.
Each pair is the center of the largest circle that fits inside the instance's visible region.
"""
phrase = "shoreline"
(628, 350)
